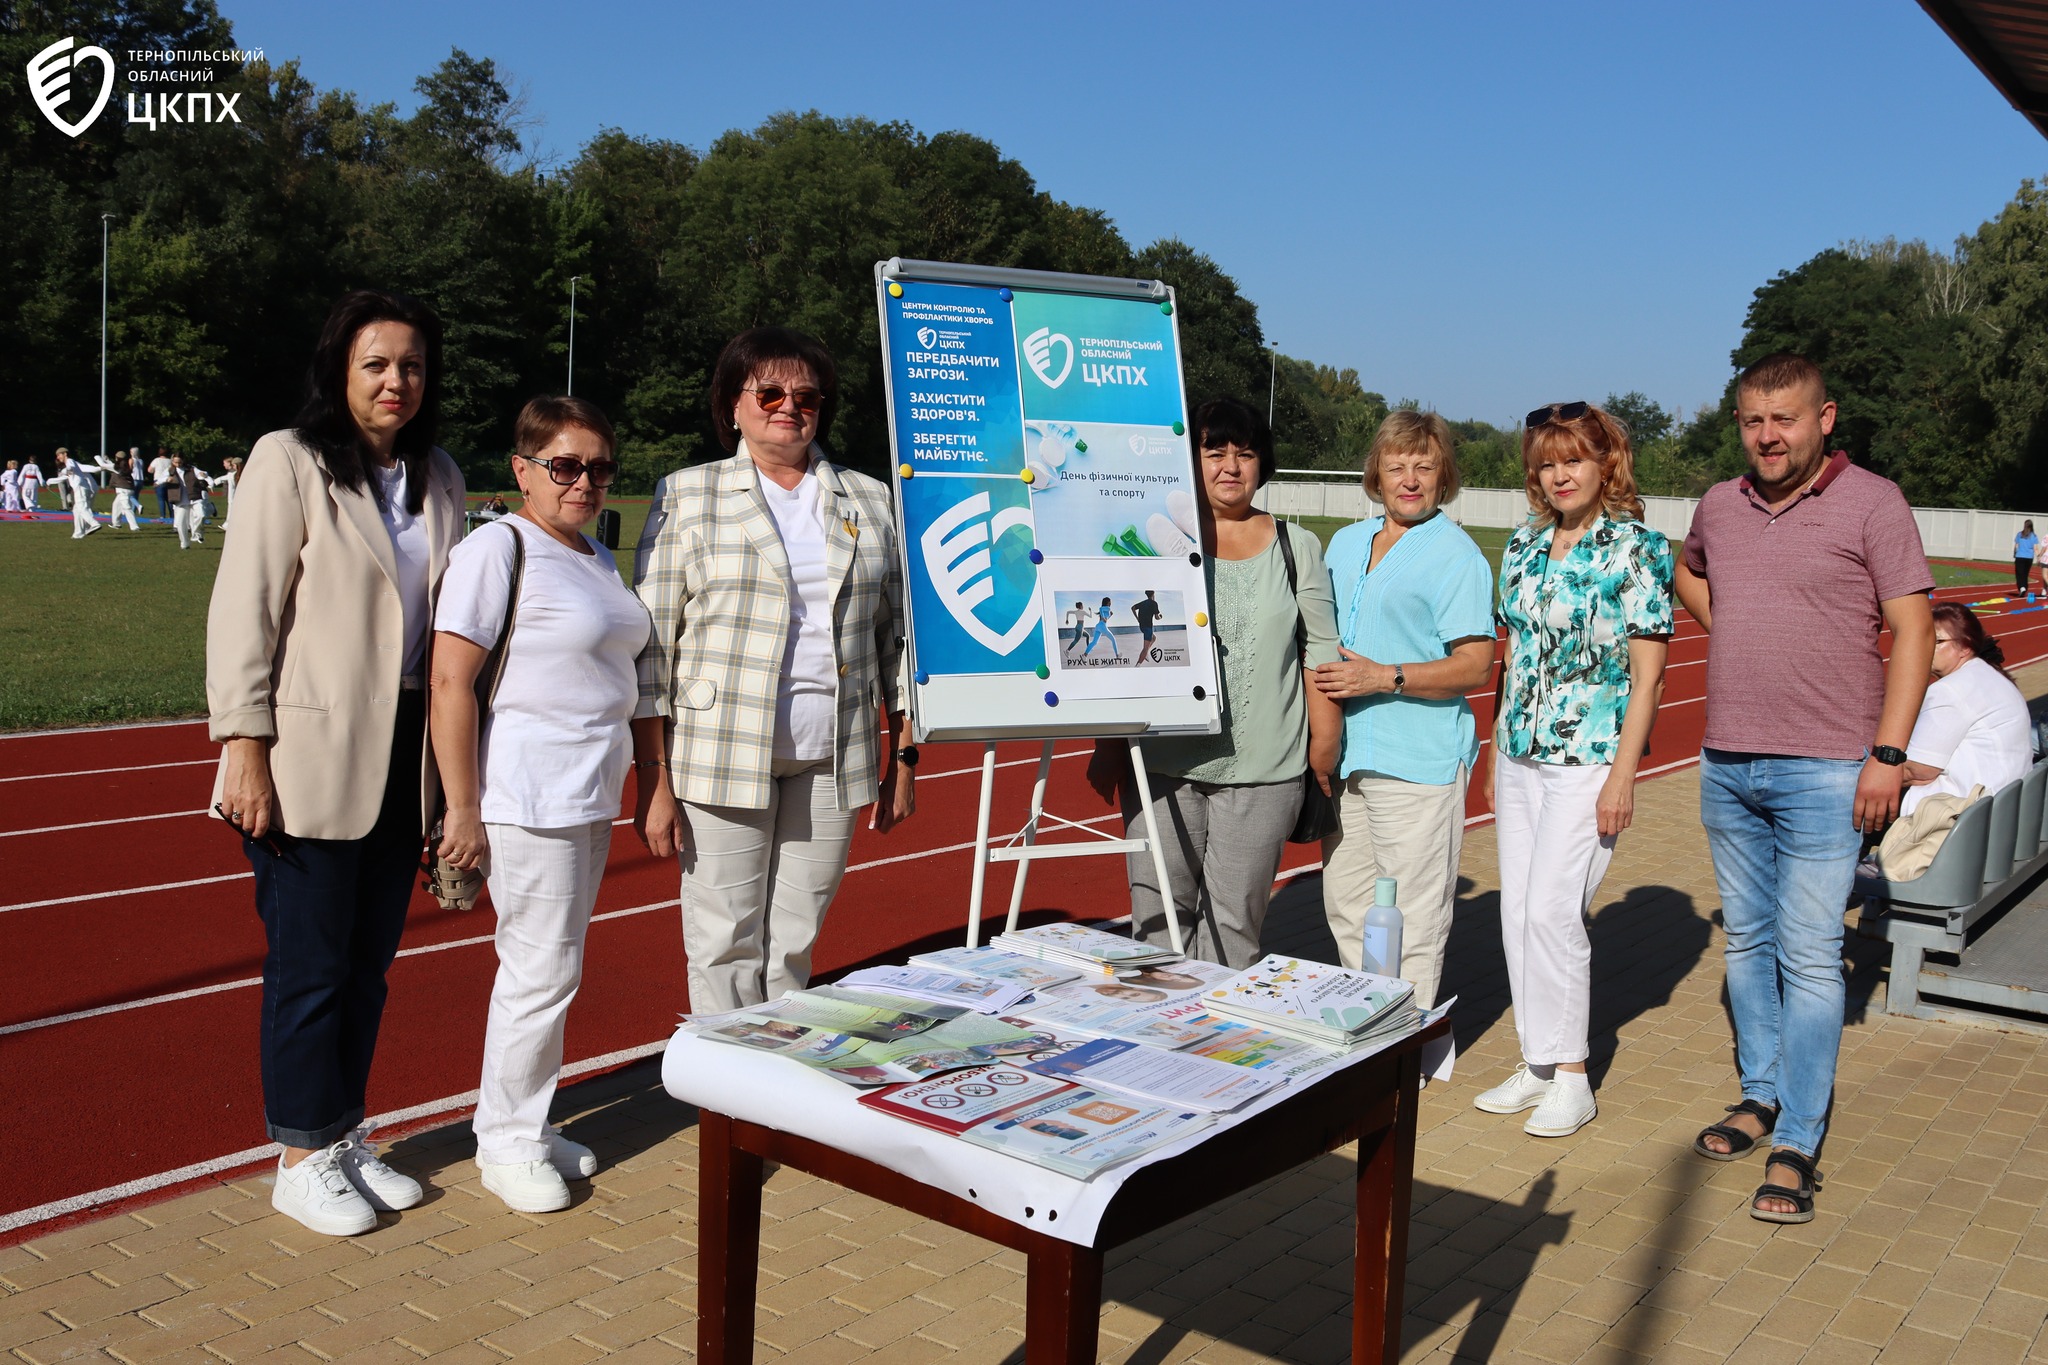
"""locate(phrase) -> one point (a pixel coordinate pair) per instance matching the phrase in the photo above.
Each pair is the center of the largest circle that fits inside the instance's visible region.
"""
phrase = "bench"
(1979, 902)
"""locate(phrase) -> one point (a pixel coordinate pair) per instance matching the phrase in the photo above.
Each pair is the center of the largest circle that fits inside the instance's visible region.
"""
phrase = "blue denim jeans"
(1785, 847)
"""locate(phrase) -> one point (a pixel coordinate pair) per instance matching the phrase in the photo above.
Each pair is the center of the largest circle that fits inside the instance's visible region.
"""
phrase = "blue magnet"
(923, 677)
(1038, 556)
(1052, 699)
(1005, 295)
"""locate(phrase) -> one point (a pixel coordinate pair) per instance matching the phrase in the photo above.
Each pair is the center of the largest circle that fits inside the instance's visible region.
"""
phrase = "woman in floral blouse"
(1585, 596)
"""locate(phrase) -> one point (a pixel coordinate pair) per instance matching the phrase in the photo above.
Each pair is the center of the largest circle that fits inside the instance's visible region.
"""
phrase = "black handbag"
(1318, 818)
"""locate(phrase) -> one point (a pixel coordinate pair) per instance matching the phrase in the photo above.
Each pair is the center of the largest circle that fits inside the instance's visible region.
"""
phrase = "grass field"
(113, 627)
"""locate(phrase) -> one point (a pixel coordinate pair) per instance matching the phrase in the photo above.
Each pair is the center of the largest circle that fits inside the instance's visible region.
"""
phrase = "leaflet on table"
(1042, 1041)
(875, 1017)
(1316, 998)
(985, 994)
(1151, 1073)
(1247, 1045)
(1080, 1132)
(1080, 945)
(1134, 1013)
(957, 1101)
(948, 1045)
(997, 965)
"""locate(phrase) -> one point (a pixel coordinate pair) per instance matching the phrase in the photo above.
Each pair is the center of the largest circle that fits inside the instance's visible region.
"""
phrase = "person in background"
(316, 658)
(61, 480)
(160, 475)
(493, 509)
(188, 506)
(1228, 801)
(1974, 728)
(777, 597)
(121, 474)
(31, 485)
(1795, 569)
(1415, 611)
(533, 785)
(1585, 597)
(10, 487)
(72, 476)
(2026, 548)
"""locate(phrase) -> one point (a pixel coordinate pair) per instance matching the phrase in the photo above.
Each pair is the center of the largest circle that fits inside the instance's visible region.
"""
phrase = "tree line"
(228, 240)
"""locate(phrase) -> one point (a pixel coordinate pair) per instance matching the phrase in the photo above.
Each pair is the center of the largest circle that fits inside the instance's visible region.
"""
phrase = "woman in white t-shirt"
(1973, 727)
(532, 798)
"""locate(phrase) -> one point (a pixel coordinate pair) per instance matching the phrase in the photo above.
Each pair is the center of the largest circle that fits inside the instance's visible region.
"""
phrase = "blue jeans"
(1785, 847)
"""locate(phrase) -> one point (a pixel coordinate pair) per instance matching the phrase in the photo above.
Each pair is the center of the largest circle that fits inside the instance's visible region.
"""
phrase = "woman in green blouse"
(1585, 596)
(1231, 798)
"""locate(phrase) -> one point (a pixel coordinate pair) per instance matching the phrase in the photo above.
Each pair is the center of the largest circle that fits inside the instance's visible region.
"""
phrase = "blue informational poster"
(1044, 476)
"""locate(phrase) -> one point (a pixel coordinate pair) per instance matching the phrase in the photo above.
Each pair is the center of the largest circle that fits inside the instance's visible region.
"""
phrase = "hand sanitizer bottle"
(1383, 931)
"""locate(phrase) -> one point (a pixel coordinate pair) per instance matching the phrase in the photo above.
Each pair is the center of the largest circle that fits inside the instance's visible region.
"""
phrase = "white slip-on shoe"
(526, 1186)
(1565, 1110)
(1518, 1092)
(572, 1159)
(318, 1194)
(387, 1190)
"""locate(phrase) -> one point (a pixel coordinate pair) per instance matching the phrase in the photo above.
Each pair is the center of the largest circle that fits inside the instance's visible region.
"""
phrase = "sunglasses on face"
(565, 471)
(772, 396)
(1557, 412)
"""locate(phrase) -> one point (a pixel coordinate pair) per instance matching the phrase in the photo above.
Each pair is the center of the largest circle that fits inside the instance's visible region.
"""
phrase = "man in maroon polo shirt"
(1794, 569)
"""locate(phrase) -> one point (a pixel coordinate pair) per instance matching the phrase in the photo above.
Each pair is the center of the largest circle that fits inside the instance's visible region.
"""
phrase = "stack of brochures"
(995, 964)
(1333, 1006)
(984, 993)
(1077, 945)
(863, 1039)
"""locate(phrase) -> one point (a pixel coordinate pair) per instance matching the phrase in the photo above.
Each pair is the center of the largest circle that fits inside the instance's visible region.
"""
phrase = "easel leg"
(1030, 835)
(728, 1243)
(1062, 1304)
(1386, 1178)
(1158, 850)
(988, 792)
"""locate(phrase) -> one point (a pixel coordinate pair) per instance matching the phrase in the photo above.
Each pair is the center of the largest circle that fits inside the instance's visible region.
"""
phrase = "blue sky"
(1482, 205)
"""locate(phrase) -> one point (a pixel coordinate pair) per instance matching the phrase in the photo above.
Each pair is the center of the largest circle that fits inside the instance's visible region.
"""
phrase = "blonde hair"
(1409, 432)
(1593, 435)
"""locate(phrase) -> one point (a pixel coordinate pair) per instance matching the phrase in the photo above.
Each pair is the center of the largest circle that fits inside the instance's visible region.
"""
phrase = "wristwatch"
(1887, 755)
(907, 755)
(1400, 680)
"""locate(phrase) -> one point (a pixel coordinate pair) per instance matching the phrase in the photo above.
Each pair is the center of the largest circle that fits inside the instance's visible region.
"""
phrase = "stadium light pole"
(105, 219)
(572, 334)
(1272, 383)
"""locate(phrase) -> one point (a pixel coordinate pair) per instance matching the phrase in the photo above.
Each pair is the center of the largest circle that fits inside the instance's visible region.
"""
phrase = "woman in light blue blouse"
(2026, 548)
(1585, 595)
(1415, 616)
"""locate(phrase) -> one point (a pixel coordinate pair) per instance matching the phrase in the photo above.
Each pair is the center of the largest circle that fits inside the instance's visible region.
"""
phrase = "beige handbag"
(1909, 846)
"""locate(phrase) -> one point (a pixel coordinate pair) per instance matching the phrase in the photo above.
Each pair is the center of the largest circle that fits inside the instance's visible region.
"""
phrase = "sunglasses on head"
(1557, 412)
(772, 396)
(566, 471)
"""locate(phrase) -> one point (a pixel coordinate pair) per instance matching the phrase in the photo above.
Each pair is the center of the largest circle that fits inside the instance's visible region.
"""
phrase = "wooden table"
(1372, 1103)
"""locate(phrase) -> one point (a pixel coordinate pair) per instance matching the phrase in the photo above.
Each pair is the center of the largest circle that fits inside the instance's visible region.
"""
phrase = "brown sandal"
(1739, 1142)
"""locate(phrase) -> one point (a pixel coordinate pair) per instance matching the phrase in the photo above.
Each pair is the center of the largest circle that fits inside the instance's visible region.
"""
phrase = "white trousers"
(543, 885)
(186, 516)
(756, 884)
(1412, 832)
(31, 496)
(83, 522)
(124, 509)
(1552, 858)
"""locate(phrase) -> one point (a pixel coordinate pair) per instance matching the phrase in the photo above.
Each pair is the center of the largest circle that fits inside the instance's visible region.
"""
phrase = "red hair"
(1593, 435)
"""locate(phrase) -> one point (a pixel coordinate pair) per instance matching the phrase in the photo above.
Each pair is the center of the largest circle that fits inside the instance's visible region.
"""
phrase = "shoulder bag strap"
(1293, 586)
(493, 671)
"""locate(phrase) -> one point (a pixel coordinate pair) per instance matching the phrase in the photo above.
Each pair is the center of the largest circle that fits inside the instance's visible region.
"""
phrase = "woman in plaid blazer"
(777, 598)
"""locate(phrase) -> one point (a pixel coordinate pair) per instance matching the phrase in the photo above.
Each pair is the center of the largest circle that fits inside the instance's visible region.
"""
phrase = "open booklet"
(1161, 1006)
(863, 1045)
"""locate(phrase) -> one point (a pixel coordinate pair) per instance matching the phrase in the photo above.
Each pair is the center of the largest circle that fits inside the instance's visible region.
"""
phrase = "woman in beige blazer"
(316, 656)
(777, 599)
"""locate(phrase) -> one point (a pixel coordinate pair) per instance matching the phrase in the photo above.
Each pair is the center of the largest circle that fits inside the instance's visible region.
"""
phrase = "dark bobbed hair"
(1964, 627)
(754, 350)
(546, 417)
(325, 422)
(1226, 422)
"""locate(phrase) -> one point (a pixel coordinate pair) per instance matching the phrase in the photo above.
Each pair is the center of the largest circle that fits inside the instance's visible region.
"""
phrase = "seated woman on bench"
(1973, 727)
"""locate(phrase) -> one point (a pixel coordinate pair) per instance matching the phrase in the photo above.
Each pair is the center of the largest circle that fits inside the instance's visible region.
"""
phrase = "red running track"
(129, 949)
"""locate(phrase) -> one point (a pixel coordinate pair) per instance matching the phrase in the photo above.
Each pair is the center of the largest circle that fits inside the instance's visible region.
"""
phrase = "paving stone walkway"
(1617, 1244)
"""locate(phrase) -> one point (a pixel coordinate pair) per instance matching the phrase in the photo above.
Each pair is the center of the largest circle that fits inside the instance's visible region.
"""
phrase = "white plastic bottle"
(1383, 931)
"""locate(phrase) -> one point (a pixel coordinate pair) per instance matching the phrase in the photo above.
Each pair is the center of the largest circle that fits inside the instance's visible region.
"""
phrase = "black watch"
(907, 755)
(1887, 755)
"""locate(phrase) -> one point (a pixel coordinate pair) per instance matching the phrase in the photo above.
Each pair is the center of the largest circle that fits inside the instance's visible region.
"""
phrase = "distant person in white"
(533, 802)
(31, 485)
(1077, 617)
(10, 487)
(123, 479)
(188, 506)
(160, 473)
(1974, 728)
(71, 474)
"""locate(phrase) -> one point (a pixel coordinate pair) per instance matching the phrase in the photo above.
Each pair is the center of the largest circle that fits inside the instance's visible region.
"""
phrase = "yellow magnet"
(1027, 476)
(1201, 618)
(904, 471)
(895, 290)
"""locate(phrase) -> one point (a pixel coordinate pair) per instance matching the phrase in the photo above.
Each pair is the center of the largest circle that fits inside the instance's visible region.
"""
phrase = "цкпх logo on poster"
(1038, 350)
(49, 80)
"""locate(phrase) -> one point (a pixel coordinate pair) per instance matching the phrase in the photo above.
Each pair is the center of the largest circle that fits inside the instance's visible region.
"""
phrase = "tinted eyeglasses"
(1557, 412)
(565, 471)
(773, 396)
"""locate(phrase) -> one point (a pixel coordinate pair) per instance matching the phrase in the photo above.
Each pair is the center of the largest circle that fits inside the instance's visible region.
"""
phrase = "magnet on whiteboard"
(1199, 692)
(1180, 428)
(1037, 556)
(1052, 699)
(1195, 559)
(1027, 475)
(1166, 307)
(1043, 671)
(1005, 295)
(1080, 447)
(904, 471)
(895, 290)
(923, 677)
(1201, 618)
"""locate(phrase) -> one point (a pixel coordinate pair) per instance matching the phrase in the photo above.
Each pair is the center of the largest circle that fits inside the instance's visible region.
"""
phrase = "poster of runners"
(1047, 490)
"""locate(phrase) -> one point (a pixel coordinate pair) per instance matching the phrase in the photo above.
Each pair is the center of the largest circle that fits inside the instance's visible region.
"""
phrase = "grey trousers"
(1223, 847)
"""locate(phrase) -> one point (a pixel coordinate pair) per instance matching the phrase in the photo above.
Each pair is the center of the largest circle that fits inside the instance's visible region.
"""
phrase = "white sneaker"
(572, 1159)
(1518, 1092)
(1565, 1110)
(386, 1190)
(318, 1194)
(526, 1186)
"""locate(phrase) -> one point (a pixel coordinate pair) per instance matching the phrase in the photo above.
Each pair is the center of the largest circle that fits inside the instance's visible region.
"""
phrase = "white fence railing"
(1946, 532)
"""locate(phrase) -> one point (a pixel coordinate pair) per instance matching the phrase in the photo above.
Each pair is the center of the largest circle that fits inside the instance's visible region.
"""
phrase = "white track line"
(448, 1104)
(105, 729)
(95, 772)
(96, 824)
(128, 891)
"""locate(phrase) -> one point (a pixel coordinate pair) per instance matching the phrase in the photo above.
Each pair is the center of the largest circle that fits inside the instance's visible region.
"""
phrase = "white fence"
(1946, 532)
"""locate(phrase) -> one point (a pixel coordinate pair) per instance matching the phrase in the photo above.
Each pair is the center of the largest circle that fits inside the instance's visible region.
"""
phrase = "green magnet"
(1081, 447)
(1043, 671)
(1180, 428)
(1167, 308)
